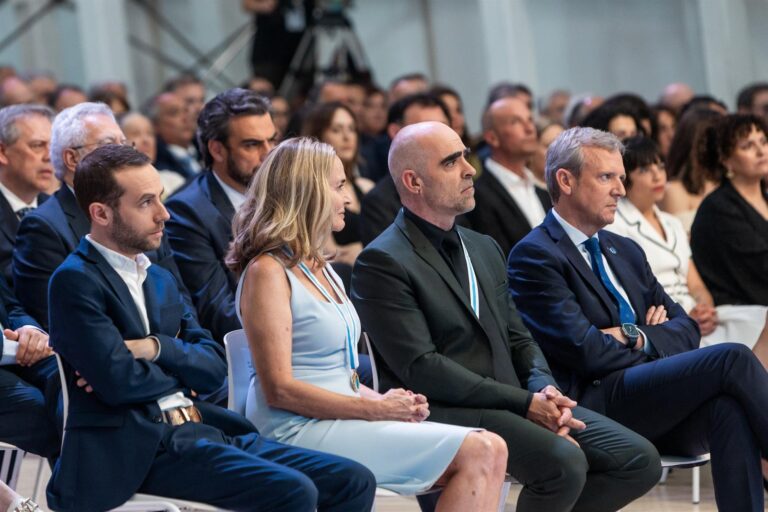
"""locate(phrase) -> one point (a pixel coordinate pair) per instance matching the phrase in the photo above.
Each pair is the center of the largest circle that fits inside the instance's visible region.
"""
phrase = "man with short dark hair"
(235, 132)
(380, 206)
(132, 424)
(175, 131)
(618, 343)
(25, 171)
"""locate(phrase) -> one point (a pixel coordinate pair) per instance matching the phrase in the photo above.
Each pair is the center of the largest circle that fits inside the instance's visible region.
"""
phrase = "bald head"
(409, 148)
(675, 95)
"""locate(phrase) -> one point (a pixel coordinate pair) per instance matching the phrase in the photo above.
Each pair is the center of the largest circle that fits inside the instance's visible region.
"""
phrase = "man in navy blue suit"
(236, 132)
(134, 357)
(618, 344)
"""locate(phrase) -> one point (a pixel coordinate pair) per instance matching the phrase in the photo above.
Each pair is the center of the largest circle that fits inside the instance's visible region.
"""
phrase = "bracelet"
(27, 506)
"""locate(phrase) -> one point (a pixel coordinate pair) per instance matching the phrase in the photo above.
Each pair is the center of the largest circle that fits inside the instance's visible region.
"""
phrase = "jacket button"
(595, 382)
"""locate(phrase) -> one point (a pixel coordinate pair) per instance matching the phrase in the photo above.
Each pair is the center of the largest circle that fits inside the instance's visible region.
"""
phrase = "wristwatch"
(632, 334)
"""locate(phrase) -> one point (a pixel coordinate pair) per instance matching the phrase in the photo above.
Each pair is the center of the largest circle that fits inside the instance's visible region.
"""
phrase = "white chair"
(10, 464)
(239, 369)
(139, 502)
(669, 461)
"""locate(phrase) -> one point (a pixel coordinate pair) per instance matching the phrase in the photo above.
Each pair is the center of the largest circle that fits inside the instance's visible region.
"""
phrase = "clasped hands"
(143, 348)
(553, 411)
(33, 344)
(401, 405)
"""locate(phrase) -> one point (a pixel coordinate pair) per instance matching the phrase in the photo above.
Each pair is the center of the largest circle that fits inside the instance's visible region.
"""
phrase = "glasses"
(105, 142)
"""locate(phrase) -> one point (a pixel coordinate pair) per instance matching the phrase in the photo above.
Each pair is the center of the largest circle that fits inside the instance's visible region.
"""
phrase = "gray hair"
(566, 153)
(9, 132)
(69, 131)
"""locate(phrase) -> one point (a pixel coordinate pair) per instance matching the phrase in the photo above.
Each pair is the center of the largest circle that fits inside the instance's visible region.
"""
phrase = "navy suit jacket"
(9, 225)
(166, 161)
(565, 305)
(200, 230)
(12, 315)
(113, 434)
(45, 238)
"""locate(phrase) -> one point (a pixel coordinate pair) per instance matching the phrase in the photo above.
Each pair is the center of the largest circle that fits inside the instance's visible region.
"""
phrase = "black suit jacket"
(113, 434)
(378, 209)
(166, 161)
(496, 213)
(9, 225)
(200, 230)
(565, 305)
(45, 238)
(425, 334)
(729, 242)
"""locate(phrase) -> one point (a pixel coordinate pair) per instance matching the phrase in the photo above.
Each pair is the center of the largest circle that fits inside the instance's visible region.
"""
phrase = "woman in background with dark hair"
(334, 123)
(665, 243)
(689, 183)
(729, 236)
(615, 118)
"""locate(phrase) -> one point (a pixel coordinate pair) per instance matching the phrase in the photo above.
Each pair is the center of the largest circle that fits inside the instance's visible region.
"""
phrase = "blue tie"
(626, 316)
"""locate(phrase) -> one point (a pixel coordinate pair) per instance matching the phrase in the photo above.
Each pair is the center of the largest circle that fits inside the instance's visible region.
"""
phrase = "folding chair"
(139, 502)
(239, 369)
(669, 461)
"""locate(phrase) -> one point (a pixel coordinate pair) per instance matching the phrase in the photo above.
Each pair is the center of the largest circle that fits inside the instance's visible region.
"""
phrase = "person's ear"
(217, 150)
(100, 213)
(71, 158)
(565, 181)
(490, 137)
(412, 182)
(392, 129)
(4, 160)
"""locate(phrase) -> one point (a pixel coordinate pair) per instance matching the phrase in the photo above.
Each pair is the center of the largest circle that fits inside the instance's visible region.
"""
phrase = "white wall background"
(603, 46)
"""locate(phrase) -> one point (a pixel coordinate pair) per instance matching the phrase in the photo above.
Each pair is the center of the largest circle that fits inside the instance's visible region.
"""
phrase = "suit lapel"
(151, 303)
(565, 244)
(497, 188)
(76, 219)
(621, 270)
(9, 222)
(117, 284)
(219, 198)
(427, 252)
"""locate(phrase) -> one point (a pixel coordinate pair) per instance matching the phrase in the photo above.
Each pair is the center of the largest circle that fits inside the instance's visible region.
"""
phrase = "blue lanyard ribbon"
(474, 298)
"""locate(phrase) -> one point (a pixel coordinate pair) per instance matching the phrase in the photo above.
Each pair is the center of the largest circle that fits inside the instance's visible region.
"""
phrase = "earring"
(728, 173)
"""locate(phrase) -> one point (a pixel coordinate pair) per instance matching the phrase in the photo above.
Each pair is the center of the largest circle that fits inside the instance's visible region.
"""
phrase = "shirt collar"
(15, 201)
(504, 174)
(576, 236)
(118, 261)
(435, 234)
(236, 198)
(181, 151)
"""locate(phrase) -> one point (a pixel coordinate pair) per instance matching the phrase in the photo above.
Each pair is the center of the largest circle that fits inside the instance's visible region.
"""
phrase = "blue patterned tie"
(626, 316)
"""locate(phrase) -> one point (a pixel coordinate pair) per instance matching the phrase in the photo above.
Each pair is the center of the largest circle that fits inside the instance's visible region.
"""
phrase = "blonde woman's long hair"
(287, 205)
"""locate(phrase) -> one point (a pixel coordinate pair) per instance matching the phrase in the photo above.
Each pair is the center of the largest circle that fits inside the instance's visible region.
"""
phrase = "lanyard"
(474, 298)
(348, 319)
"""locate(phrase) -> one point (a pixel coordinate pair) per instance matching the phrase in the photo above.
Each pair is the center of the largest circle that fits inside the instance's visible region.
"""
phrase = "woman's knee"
(481, 450)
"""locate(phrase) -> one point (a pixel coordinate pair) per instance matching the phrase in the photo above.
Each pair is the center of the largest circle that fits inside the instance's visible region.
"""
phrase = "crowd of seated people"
(487, 271)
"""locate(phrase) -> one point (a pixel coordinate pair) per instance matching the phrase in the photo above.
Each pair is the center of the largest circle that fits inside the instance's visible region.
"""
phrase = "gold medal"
(354, 381)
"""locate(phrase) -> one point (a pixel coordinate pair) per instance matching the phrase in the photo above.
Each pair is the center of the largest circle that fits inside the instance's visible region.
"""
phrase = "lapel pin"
(612, 250)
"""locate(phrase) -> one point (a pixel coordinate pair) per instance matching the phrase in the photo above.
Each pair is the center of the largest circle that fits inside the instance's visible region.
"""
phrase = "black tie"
(21, 212)
(454, 256)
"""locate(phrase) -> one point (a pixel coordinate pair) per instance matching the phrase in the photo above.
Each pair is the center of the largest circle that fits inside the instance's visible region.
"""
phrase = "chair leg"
(664, 475)
(696, 485)
(38, 478)
(504, 493)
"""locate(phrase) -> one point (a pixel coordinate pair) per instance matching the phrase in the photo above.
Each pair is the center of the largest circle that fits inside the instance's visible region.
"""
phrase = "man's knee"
(294, 491)
(561, 469)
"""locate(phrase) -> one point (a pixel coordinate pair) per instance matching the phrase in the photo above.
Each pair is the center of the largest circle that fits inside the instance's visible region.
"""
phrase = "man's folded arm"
(87, 339)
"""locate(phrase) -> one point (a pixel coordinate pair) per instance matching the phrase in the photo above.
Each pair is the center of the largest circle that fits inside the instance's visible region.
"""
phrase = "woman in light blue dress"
(302, 330)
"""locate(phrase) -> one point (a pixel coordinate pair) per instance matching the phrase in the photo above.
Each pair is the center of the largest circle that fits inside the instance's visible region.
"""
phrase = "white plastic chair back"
(239, 369)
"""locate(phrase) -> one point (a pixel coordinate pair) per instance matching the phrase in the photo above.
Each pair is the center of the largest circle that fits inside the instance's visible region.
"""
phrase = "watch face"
(630, 330)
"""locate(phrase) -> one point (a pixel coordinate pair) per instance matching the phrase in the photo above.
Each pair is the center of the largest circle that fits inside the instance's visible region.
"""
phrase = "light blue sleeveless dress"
(405, 457)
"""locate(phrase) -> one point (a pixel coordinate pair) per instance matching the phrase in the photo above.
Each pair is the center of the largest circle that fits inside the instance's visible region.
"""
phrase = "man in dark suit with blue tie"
(25, 171)
(618, 344)
(134, 356)
(49, 233)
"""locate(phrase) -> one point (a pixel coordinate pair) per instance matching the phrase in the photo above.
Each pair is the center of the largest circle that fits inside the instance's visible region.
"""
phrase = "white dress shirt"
(15, 201)
(133, 272)
(522, 190)
(235, 198)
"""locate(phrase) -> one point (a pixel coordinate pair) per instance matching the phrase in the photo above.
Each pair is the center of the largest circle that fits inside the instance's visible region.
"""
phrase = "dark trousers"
(611, 467)
(249, 473)
(30, 415)
(712, 399)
